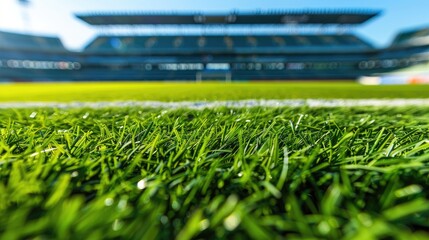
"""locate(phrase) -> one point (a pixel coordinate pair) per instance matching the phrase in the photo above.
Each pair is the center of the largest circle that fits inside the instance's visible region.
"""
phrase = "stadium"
(177, 123)
(220, 51)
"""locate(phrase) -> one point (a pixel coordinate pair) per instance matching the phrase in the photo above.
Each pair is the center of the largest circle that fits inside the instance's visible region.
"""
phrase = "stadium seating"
(215, 43)
(211, 56)
(27, 42)
(413, 37)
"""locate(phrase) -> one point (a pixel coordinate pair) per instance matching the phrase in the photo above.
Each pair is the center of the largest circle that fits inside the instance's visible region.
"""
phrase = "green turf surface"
(65, 92)
(130, 173)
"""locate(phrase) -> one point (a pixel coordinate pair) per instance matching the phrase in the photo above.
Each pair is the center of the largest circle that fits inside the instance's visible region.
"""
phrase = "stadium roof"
(244, 18)
(414, 37)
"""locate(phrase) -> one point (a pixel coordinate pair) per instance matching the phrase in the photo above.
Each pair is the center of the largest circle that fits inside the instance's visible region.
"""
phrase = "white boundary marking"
(230, 104)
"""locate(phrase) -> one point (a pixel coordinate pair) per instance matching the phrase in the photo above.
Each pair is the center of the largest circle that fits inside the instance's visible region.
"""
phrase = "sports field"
(169, 91)
(220, 172)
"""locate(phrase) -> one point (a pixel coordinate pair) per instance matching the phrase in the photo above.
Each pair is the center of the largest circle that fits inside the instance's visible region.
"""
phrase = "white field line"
(231, 104)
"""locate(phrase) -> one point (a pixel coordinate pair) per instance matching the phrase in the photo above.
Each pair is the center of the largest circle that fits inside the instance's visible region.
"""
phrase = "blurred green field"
(169, 91)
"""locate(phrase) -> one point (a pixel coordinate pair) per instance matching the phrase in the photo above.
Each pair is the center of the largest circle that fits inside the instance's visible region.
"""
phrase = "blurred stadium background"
(230, 46)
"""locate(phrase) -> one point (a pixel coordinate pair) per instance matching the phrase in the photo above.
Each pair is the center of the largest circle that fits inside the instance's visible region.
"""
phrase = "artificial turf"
(250, 173)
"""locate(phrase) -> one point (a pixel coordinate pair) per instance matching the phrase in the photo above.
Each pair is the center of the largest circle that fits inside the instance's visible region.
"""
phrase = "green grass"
(65, 92)
(257, 173)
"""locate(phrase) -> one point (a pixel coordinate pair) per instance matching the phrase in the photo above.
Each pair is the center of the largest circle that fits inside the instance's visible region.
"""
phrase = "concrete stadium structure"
(219, 48)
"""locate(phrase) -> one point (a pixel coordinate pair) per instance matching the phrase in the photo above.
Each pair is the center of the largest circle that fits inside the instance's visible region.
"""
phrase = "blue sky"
(55, 17)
